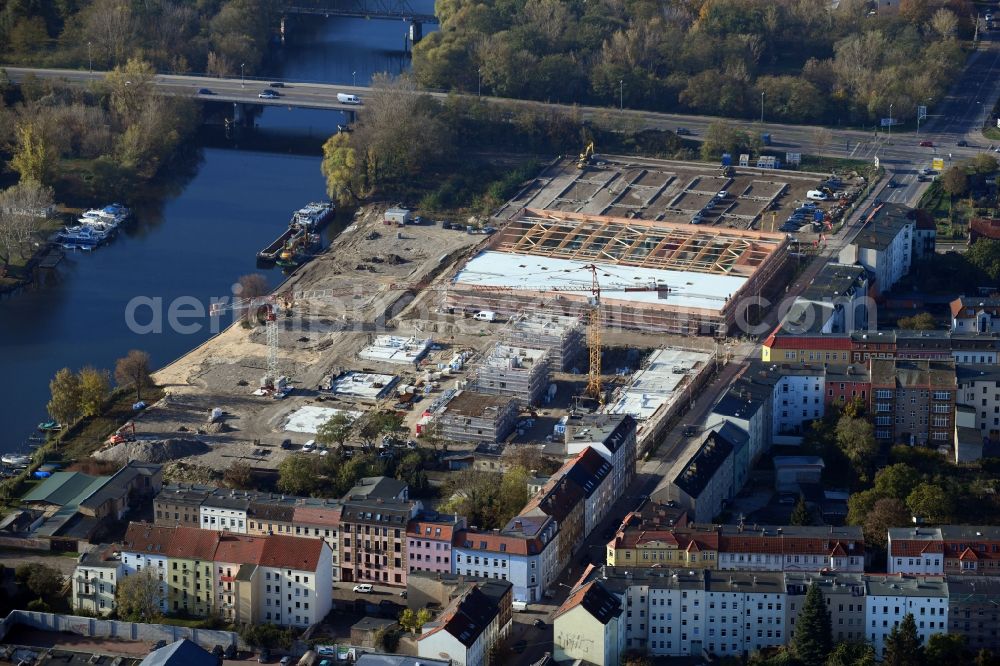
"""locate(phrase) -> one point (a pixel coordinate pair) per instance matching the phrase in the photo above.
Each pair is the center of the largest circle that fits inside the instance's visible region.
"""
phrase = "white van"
(519, 606)
(816, 195)
(344, 98)
(485, 315)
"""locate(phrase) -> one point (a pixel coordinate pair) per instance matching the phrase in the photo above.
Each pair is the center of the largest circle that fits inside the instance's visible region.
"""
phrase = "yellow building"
(806, 348)
(692, 549)
(189, 573)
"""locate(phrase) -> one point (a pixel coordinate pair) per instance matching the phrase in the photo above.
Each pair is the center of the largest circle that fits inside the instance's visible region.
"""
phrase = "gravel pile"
(157, 451)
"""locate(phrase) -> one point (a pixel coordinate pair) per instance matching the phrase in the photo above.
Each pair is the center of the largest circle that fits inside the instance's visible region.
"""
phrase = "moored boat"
(15, 459)
(49, 426)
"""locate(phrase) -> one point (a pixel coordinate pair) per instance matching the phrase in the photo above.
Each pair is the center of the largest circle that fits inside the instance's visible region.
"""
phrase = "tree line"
(213, 36)
(76, 395)
(809, 60)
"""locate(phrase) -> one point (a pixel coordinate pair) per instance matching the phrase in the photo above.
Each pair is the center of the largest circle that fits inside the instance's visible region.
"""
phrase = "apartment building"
(844, 595)
(95, 580)
(428, 541)
(975, 314)
(913, 401)
(973, 612)
(784, 347)
(742, 416)
(523, 552)
(791, 548)
(884, 245)
(691, 546)
(706, 480)
(373, 539)
(588, 627)
(836, 301)
(476, 417)
(179, 504)
(915, 550)
(241, 578)
(979, 389)
(611, 435)
(564, 501)
(888, 599)
(847, 382)
(470, 627)
(592, 474)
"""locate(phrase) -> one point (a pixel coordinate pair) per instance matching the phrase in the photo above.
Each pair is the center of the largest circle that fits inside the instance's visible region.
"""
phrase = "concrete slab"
(308, 419)
(657, 383)
(364, 385)
(396, 349)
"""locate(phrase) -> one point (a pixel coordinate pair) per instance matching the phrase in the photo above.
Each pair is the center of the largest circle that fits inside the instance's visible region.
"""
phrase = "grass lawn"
(992, 133)
(834, 164)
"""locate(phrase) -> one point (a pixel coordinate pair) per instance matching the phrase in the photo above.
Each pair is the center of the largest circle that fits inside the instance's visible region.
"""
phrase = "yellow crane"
(585, 156)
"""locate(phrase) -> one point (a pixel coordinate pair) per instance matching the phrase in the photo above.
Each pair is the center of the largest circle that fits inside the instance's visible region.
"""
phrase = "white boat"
(313, 216)
(91, 234)
(15, 459)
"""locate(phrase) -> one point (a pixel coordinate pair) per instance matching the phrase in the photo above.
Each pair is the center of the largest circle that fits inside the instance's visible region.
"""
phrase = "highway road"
(957, 117)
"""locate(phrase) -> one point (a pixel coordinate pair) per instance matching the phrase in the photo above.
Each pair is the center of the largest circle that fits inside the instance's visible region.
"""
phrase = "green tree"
(723, 137)
(41, 580)
(856, 438)
(955, 181)
(298, 474)
(133, 370)
(812, 638)
(896, 480)
(414, 621)
(130, 86)
(801, 514)
(852, 654)
(375, 423)
(336, 430)
(930, 502)
(139, 596)
(984, 163)
(95, 389)
(902, 645)
(64, 406)
(984, 255)
(860, 504)
(947, 649)
(923, 321)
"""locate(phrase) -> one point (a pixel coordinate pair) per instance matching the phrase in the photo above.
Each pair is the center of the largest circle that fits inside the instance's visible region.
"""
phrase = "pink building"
(428, 542)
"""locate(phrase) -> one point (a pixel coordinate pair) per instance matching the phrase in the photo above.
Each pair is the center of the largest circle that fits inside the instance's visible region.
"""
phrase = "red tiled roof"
(147, 538)
(325, 517)
(288, 552)
(810, 342)
(191, 543)
(419, 528)
(239, 549)
(914, 547)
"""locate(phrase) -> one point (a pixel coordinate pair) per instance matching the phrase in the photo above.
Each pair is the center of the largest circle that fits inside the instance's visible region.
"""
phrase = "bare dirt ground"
(355, 290)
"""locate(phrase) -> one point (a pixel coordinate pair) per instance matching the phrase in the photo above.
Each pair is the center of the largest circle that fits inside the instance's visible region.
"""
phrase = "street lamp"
(479, 82)
(621, 94)
(889, 141)
(90, 59)
(761, 107)
(243, 83)
(354, 79)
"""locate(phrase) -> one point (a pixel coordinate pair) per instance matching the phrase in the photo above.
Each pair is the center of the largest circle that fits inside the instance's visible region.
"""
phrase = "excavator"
(585, 156)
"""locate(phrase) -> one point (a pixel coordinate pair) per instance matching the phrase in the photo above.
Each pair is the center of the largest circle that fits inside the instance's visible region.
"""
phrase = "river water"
(190, 244)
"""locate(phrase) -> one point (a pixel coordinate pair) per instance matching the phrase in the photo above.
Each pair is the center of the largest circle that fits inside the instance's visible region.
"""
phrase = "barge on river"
(300, 234)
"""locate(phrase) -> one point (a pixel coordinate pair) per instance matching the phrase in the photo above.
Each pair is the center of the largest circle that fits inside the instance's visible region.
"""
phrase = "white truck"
(344, 98)
(485, 315)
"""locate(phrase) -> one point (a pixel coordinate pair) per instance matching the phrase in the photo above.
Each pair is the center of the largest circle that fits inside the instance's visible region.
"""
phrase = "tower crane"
(272, 305)
(594, 388)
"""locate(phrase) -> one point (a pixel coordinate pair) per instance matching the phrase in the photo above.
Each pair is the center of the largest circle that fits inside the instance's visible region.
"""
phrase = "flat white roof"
(396, 349)
(655, 384)
(308, 419)
(689, 289)
(362, 384)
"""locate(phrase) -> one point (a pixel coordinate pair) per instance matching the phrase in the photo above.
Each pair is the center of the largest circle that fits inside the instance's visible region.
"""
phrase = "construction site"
(491, 338)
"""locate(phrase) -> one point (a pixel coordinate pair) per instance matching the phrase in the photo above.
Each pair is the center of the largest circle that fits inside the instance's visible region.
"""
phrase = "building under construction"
(474, 417)
(561, 336)
(654, 275)
(517, 372)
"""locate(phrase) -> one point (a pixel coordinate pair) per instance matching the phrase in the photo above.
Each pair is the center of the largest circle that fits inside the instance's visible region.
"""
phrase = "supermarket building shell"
(691, 279)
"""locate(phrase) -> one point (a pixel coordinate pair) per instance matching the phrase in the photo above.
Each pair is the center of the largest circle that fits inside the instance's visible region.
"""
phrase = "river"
(193, 243)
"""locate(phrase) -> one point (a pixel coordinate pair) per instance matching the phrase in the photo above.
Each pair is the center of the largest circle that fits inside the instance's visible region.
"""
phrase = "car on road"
(205, 91)
(285, 661)
(683, 131)
(538, 624)
(277, 84)
(689, 431)
(926, 144)
(364, 588)
(962, 144)
(268, 94)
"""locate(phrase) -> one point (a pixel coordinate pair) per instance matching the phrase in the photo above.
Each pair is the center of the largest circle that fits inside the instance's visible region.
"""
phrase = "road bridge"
(368, 9)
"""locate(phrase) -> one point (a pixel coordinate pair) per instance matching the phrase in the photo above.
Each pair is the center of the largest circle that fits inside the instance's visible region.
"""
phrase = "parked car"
(682, 131)
(286, 444)
(689, 431)
(963, 143)
(277, 84)
(268, 94)
(285, 661)
(538, 624)
(364, 588)
(817, 195)
(205, 91)
(926, 144)
(326, 651)
(264, 656)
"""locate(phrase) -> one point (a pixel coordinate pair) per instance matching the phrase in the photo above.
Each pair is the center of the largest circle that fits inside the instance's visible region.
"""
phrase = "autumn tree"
(251, 286)
(852, 654)
(34, 157)
(95, 389)
(336, 430)
(886, 512)
(41, 580)
(64, 405)
(22, 209)
(902, 645)
(239, 476)
(414, 621)
(923, 321)
(930, 502)
(129, 88)
(897, 480)
(955, 180)
(374, 423)
(139, 596)
(133, 370)
(346, 179)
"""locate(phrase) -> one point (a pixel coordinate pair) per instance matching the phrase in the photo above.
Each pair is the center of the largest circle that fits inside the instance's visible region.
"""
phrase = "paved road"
(957, 117)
